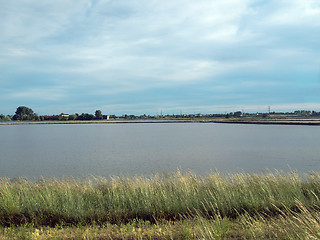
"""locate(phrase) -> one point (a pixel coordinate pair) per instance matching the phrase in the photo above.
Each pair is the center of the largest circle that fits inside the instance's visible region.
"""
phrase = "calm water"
(33, 151)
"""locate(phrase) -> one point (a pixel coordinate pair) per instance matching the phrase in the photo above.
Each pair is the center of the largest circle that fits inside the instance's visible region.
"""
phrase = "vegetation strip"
(25, 115)
(167, 206)
(274, 122)
(168, 197)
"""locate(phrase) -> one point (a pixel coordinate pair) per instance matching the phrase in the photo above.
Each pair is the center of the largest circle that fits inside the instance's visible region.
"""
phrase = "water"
(33, 151)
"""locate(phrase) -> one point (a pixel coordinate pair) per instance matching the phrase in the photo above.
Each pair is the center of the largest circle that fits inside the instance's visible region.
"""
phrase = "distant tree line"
(27, 114)
(66, 117)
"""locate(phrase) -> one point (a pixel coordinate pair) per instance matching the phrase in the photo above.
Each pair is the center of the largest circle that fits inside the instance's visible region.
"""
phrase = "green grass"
(183, 206)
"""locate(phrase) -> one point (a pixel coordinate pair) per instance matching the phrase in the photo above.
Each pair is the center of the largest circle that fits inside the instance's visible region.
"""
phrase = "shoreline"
(273, 122)
(310, 122)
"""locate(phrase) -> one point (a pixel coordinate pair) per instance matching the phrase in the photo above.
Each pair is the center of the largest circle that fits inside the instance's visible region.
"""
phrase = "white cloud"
(115, 47)
(40, 94)
(295, 13)
(17, 52)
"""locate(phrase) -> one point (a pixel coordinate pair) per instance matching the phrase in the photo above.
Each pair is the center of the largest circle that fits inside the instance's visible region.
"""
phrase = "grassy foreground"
(177, 206)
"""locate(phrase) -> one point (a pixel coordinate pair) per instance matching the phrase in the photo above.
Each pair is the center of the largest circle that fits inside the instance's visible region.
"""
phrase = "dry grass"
(177, 206)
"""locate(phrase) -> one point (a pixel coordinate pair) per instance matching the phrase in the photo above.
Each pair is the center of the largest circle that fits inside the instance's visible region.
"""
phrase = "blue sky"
(147, 56)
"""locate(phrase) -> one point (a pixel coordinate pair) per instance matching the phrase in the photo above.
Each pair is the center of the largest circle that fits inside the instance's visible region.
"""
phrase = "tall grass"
(161, 197)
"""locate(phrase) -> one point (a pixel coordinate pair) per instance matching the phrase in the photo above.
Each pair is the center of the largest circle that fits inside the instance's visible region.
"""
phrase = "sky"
(152, 56)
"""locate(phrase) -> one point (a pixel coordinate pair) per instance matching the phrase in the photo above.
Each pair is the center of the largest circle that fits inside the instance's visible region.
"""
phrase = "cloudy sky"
(147, 56)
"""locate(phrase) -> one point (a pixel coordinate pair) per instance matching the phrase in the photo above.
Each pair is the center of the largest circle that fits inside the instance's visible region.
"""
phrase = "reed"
(170, 197)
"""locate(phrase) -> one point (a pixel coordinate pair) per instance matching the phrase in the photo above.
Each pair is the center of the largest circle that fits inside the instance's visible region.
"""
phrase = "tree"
(24, 113)
(99, 115)
(237, 114)
(36, 117)
(86, 116)
(73, 117)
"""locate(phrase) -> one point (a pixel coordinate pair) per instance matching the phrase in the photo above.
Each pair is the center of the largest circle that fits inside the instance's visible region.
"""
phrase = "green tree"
(73, 117)
(86, 116)
(24, 113)
(36, 117)
(98, 115)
